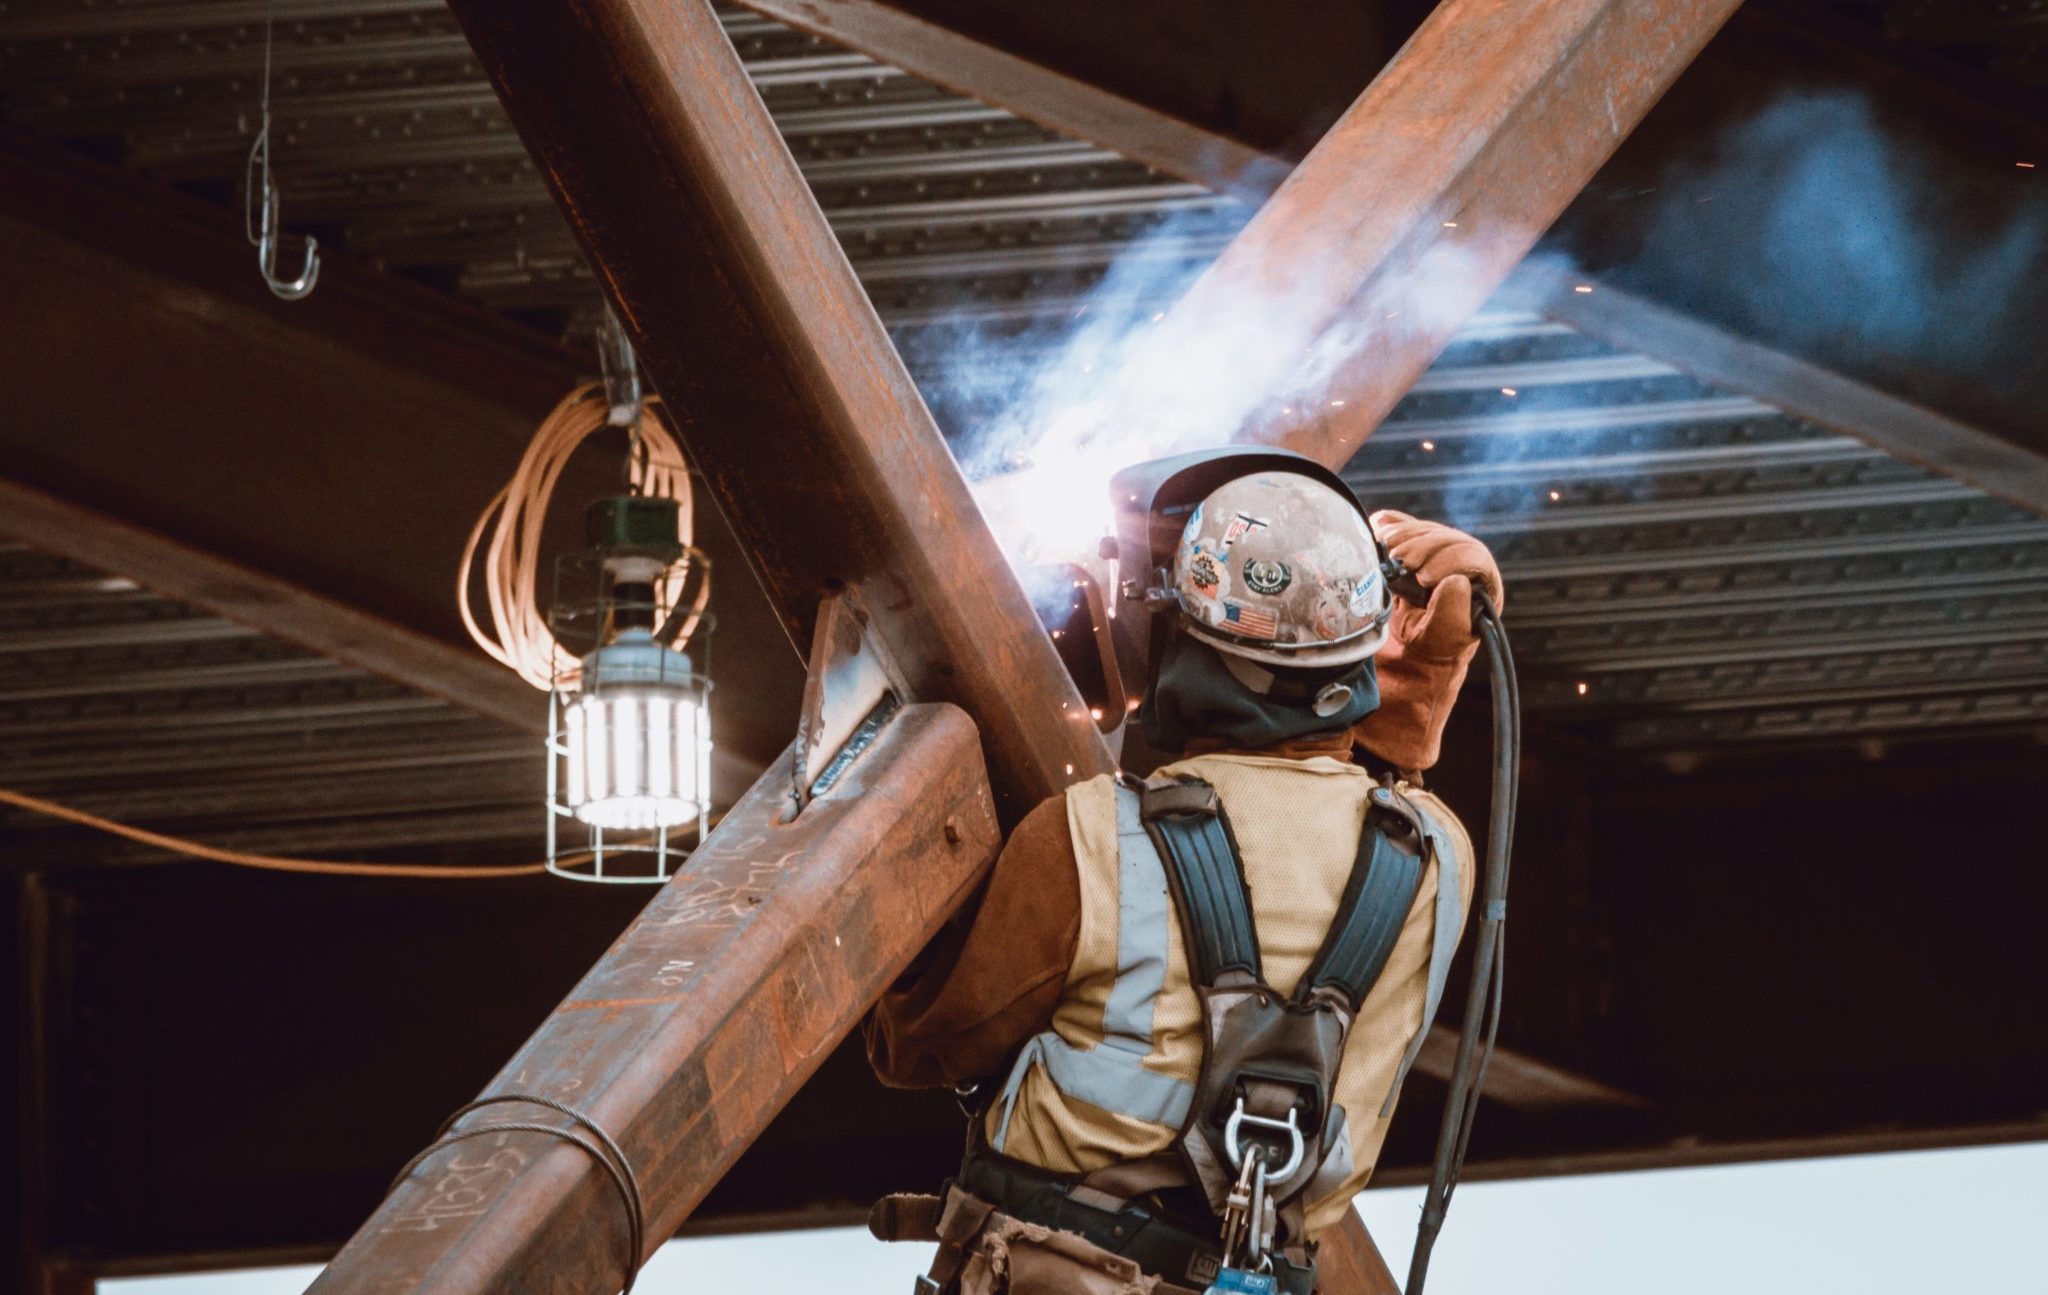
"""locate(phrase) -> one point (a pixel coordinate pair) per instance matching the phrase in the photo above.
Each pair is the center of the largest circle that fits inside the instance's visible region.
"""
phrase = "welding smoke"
(1855, 252)
(1816, 225)
(1124, 378)
(1831, 228)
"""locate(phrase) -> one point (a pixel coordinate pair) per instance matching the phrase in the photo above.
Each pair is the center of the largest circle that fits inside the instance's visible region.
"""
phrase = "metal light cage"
(629, 725)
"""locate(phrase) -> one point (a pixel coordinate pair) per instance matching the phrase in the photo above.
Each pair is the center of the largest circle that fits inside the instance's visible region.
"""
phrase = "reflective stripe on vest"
(1450, 919)
(1112, 1075)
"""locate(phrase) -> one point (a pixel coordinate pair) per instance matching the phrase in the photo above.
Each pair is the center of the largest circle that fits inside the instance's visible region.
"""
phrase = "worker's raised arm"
(992, 979)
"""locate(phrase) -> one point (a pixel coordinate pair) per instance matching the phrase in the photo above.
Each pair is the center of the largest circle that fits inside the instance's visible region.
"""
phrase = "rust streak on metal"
(1438, 181)
(685, 1080)
(602, 1004)
(1350, 1264)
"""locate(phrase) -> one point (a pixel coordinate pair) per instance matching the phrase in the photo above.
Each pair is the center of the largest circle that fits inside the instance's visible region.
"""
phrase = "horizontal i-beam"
(1035, 90)
(700, 1022)
(309, 468)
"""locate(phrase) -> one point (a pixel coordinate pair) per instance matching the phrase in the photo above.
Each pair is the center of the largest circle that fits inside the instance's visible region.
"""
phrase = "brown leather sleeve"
(992, 979)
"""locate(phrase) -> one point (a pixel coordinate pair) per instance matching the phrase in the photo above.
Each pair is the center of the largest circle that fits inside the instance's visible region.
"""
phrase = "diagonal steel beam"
(268, 604)
(703, 1019)
(173, 422)
(750, 321)
(1035, 90)
(754, 328)
(1901, 428)
(1436, 183)
(791, 398)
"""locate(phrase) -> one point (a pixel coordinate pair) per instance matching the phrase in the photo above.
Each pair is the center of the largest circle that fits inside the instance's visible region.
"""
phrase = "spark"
(1096, 711)
(1450, 224)
(2024, 166)
(1582, 687)
(1429, 447)
(1161, 315)
(1131, 705)
(1336, 404)
(1583, 288)
(1070, 770)
(1507, 391)
(1555, 496)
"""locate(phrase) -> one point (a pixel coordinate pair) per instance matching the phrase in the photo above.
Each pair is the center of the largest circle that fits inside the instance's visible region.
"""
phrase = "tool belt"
(1005, 1227)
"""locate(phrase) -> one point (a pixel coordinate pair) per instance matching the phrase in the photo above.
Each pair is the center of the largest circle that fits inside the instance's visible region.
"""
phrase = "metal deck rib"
(1702, 551)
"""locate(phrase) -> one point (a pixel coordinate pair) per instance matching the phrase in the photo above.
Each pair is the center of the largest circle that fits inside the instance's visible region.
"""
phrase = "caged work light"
(629, 728)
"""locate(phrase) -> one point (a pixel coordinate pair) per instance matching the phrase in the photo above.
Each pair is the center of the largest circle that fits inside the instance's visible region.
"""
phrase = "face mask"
(1193, 694)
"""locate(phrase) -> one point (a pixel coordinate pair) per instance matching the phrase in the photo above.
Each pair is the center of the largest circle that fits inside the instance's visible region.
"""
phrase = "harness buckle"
(1297, 1148)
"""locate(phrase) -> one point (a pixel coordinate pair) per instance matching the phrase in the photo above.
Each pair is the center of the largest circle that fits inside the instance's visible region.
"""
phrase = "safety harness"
(1263, 1131)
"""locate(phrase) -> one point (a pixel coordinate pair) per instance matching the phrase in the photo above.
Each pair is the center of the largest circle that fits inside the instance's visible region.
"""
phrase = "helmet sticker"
(1364, 594)
(1265, 576)
(1240, 526)
(1332, 614)
(1249, 621)
(1280, 567)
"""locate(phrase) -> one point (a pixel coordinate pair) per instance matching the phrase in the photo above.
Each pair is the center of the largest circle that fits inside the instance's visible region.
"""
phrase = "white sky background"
(1907, 1224)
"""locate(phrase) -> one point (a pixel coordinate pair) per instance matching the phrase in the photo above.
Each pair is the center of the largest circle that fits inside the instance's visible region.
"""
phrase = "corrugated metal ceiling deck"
(1709, 572)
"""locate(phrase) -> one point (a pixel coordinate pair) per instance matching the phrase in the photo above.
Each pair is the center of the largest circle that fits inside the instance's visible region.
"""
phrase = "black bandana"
(1193, 694)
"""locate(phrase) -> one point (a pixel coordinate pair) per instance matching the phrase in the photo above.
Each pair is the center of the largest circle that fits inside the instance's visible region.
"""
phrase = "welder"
(1182, 1011)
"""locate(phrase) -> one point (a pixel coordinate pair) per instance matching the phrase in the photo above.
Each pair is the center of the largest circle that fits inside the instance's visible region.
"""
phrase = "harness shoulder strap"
(1186, 822)
(1382, 888)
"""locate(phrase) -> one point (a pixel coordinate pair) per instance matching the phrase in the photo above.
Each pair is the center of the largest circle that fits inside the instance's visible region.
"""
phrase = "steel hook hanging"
(261, 207)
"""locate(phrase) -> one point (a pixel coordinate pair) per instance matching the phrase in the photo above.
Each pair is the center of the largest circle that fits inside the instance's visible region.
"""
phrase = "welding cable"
(1483, 1000)
(513, 628)
(605, 1151)
(266, 862)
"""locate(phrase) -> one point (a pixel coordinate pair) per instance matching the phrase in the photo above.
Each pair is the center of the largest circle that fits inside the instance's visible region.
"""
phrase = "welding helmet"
(1265, 555)
(1281, 569)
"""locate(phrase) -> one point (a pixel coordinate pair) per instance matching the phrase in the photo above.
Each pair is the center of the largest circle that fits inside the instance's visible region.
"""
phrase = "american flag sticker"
(1249, 621)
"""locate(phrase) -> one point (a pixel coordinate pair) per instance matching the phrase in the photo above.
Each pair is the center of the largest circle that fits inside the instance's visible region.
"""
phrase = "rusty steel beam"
(269, 604)
(701, 1021)
(310, 468)
(1901, 428)
(793, 402)
(1035, 90)
(754, 328)
(791, 397)
(1521, 1081)
(1436, 183)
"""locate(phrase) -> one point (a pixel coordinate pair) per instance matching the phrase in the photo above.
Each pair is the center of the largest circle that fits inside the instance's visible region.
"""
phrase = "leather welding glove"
(1428, 648)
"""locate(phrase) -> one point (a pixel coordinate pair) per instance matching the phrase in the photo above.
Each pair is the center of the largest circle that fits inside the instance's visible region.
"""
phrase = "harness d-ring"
(1297, 1151)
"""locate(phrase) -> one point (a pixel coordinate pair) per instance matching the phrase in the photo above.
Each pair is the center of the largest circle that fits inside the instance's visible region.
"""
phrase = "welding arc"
(518, 637)
(267, 862)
